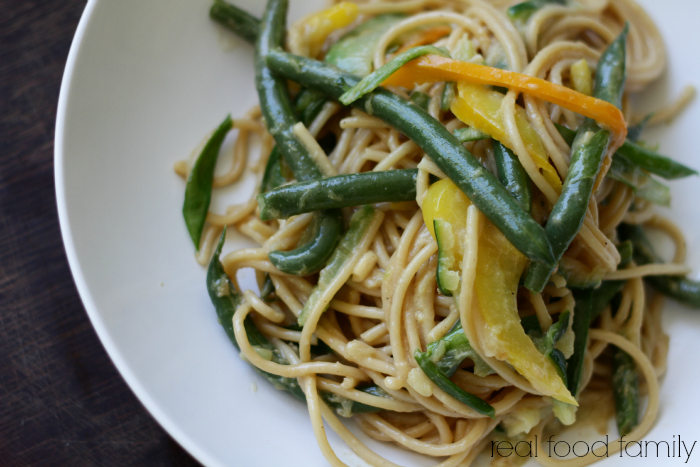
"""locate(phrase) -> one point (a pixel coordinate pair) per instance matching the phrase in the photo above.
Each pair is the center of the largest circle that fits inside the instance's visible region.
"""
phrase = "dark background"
(62, 402)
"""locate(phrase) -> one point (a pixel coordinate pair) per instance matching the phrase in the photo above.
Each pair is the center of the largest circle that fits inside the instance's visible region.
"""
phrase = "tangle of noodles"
(390, 305)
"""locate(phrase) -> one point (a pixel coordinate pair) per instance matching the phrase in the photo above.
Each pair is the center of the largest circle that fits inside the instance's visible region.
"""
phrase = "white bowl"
(145, 81)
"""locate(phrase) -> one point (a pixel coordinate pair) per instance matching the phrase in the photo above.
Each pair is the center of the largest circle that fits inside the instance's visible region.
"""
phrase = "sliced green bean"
(375, 79)
(199, 183)
(452, 349)
(448, 96)
(684, 290)
(588, 150)
(523, 11)
(623, 170)
(641, 157)
(239, 21)
(653, 162)
(512, 175)
(451, 157)
(338, 192)
(625, 383)
(466, 135)
(441, 381)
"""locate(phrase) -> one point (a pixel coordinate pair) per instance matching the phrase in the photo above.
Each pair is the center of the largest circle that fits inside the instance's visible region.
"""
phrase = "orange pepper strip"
(433, 68)
(425, 37)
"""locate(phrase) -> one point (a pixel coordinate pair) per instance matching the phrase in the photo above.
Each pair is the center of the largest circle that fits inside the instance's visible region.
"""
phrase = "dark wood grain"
(62, 402)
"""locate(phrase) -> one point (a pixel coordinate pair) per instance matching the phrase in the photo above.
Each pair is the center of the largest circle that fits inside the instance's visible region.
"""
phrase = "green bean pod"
(588, 151)
(625, 384)
(278, 112)
(684, 290)
(199, 183)
(239, 21)
(339, 192)
(441, 381)
(452, 349)
(642, 158)
(226, 300)
(454, 160)
(512, 175)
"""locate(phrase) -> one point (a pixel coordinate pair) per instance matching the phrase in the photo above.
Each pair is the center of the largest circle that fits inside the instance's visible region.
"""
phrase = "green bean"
(452, 349)
(372, 81)
(239, 21)
(277, 109)
(512, 175)
(635, 132)
(448, 96)
(199, 183)
(466, 135)
(441, 381)
(588, 150)
(313, 255)
(655, 163)
(339, 192)
(625, 384)
(523, 11)
(641, 157)
(451, 157)
(624, 171)
(226, 299)
(684, 290)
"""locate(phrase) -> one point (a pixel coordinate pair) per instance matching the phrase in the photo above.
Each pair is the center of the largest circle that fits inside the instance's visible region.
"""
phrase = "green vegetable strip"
(641, 157)
(448, 96)
(338, 192)
(313, 255)
(625, 383)
(199, 183)
(655, 163)
(348, 248)
(466, 135)
(226, 299)
(452, 349)
(277, 109)
(239, 21)
(523, 11)
(684, 290)
(623, 170)
(372, 81)
(588, 150)
(512, 175)
(451, 157)
(441, 381)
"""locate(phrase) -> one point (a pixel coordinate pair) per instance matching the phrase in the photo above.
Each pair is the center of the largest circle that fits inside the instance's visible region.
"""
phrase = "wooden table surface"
(62, 402)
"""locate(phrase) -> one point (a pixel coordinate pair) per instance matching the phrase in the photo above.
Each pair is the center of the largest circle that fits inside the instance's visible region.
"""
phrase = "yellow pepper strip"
(425, 37)
(581, 78)
(444, 200)
(499, 267)
(433, 68)
(480, 108)
(498, 270)
(318, 26)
